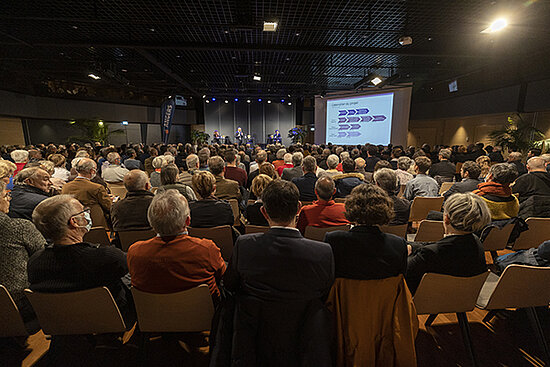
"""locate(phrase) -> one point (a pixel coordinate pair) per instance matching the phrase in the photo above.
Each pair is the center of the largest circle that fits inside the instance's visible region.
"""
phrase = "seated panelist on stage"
(217, 137)
(277, 137)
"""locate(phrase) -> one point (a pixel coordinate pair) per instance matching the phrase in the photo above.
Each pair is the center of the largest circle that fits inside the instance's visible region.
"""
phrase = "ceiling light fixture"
(226, 101)
(93, 76)
(259, 99)
(290, 103)
(270, 26)
(125, 123)
(496, 26)
(268, 101)
(213, 99)
(204, 96)
(376, 80)
(236, 100)
(257, 78)
(248, 101)
(207, 101)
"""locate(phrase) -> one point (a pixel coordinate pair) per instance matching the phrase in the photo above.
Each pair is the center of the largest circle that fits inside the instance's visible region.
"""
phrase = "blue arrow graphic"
(351, 112)
(362, 111)
(379, 118)
(342, 119)
(354, 119)
(366, 118)
(342, 134)
(344, 127)
(354, 133)
(355, 126)
(342, 112)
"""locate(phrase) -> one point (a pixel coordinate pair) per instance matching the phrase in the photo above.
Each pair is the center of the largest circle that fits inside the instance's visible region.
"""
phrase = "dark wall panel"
(180, 134)
(257, 122)
(271, 118)
(55, 131)
(227, 118)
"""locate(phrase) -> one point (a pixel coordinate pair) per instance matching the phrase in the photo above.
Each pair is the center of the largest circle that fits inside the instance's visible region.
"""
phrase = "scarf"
(493, 188)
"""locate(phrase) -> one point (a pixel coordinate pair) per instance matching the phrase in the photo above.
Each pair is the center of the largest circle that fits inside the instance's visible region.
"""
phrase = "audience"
(131, 163)
(232, 172)
(20, 158)
(535, 182)
(460, 252)
(32, 186)
(287, 159)
(253, 213)
(496, 191)
(280, 158)
(324, 212)
(114, 172)
(515, 159)
(157, 164)
(7, 169)
(444, 170)
(225, 189)
(348, 180)
(261, 158)
(484, 163)
(192, 163)
(306, 183)
(60, 171)
(168, 180)
(296, 171)
(386, 179)
(130, 213)
(148, 162)
(422, 185)
(403, 175)
(470, 172)
(360, 168)
(209, 211)
(372, 159)
(173, 261)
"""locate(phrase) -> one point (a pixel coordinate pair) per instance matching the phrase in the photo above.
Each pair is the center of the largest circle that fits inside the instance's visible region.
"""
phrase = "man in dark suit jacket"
(445, 169)
(291, 173)
(306, 183)
(470, 172)
(225, 189)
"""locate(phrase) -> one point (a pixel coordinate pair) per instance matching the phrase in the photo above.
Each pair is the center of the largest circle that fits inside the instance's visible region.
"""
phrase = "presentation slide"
(360, 120)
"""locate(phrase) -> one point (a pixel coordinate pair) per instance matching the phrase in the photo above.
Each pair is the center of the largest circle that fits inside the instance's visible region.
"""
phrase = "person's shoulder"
(20, 223)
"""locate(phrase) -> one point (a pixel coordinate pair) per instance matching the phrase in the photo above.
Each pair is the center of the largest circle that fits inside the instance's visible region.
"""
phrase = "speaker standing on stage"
(239, 136)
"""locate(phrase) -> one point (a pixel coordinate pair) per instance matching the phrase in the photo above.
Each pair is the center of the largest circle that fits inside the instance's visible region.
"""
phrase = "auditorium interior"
(378, 128)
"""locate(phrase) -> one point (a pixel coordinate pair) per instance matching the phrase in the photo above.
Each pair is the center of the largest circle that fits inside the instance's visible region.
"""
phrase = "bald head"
(536, 164)
(325, 188)
(136, 180)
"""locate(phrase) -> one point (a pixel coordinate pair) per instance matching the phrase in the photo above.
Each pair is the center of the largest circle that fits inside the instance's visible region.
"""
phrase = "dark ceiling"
(147, 49)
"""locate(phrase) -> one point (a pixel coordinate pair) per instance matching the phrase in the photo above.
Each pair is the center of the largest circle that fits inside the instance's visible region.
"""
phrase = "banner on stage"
(167, 113)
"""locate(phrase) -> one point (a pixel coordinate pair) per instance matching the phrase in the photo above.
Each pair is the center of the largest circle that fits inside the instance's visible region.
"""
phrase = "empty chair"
(97, 235)
(445, 186)
(398, 230)
(236, 212)
(519, 286)
(221, 235)
(421, 206)
(249, 228)
(11, 323)
(318, 233)
(430, 231)
(127, 238)
(439, 293)
(118, 190)
(497, 239)
(538, 232)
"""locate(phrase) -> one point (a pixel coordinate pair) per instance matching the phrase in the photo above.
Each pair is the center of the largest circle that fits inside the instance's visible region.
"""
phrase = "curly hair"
(259, 183)
(369, 205)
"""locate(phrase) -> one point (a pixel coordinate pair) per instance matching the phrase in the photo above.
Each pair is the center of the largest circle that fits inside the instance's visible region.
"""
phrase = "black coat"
(466, 185)
(211, 213)
(24, 198)
(306, 186)
(254, 215)
(533, 183)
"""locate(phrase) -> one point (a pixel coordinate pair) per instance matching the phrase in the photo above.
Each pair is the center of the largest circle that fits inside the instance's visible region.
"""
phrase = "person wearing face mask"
(90, 194)
(19, 239)
(32, 185)
(68, 263)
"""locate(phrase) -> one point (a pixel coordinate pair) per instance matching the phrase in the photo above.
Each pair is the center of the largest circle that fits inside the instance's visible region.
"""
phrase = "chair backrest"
(250, 202)
(236, 212)
(430, 231)
(340, 200)
(11, 323)
(118, 189)
(128, 238)
(92, 311)
(188, 311)
(98, 218)
(538, 232)
(520, 286)
(439, 293)
(497, 239)
(99, 236)
(445, 186)
(318, 233)
(421, 206)
(249, 228)
(221, 235)
(398, 230)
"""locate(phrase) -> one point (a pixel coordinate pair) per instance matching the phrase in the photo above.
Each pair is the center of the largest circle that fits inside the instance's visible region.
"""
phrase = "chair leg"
(466, 337)
(490, 316)
(430, 320)
(142, 353)
(532, 312)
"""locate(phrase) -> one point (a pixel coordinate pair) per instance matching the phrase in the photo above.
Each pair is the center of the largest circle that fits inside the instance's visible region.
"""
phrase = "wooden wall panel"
(11, 131)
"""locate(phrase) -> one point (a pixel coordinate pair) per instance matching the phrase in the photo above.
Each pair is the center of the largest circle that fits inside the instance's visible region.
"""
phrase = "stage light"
(282, 101)
(72, 122)
(207, 101)
(213, 99)
(248, 101)
(496, 26)
(290, 103)
(226, 101)
(376, 80)
(93, 76)
(257, 78)
(204, 96)
(270, 26)
(259, 99)
(268, 101)
(236, 100)
(124, 123)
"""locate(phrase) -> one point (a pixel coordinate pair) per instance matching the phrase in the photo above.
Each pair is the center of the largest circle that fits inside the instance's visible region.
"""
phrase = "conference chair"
(496, 239)
(445, 186)
(250, 202)
(318, 233)
(421, 206)
(221, 235)
(439, 293)
(98, 216)
(340, 200)
(118, 190)
(97, 235)
(127, 238)
(398, 230)
(11, 323)
(304, 203)
(236, 212)
(429, 231)
(249, 228)
(520, 287)
(538, 232)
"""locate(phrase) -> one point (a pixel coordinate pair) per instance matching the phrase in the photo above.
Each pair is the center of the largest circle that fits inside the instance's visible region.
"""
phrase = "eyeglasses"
(86, 210)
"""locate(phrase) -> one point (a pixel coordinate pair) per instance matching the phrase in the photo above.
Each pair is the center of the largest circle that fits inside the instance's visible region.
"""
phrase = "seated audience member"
(131, 163)
(114, 172)
(332, 163)
(204, 155)
(372, 159)
(365, 252)
(324, 212)
(460, 252)
(287, 158)
(130, 213)
(7, 169)
(422, 185)
(382, 164)
(60, 171)
(348, 180)
(515, 159)
(71, 264)
(19, 239)
(173, 261)
(276, 276)
(186, 177)
(225, 189)
(296, 171)
(360, 168)
(148, 162)
(484, 163)
(267, 168)
(535, 182)
(403, 165)
(168, 180)
(253, 213)
(32, 185)
(306, 183)
(280, 158)
(20, 158)
(209, 211)
(470, 172)
(386, 179)
(533, 152)
(261, 158)
(89, 194)
(497, 192)
(158, 163)
(48, 166)
(538, 256)
(232, 172)
(496, 155)
(444, 170)
(546, 158)
(396, 153)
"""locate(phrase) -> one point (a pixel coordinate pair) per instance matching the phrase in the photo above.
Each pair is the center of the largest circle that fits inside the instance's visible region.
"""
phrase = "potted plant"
(518, 135)
(199, 137)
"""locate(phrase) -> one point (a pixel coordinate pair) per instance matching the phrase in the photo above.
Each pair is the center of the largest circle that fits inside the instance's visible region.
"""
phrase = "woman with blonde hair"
(253, 213)
(7, 170)
(485, 164)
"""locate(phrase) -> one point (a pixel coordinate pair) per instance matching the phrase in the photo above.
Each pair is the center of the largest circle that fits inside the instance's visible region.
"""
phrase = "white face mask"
(88, 225)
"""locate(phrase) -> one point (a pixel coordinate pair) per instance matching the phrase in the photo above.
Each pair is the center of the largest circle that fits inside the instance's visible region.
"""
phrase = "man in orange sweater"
(324, 212)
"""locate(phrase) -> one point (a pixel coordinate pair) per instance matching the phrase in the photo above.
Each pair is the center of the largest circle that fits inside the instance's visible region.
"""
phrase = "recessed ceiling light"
(376, 80)
(207, 101)
(257, 78)
(204, 96)
(268, 101)
(226, 31)
(226, 101)
(288, 59)
(259, 99)
(297, 34)
(152, 29)
(290, 103)
(124, 70)
(74, 27)
(496, 26)
(270, 26)
(248, 101)
(213, 99)
(93, 76)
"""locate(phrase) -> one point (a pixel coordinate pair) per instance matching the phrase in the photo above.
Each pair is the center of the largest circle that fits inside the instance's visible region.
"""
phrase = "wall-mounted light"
(93, 76)
(270, 26)
(125, 123)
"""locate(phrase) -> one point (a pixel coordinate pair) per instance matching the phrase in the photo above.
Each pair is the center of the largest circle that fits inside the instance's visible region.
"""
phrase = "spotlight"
(270, 26)
(204, 96)
(496, 26)
(290, 103)
(93, 76)
(376, 80)
(124, 123)
(268, 101)
(236, 100)
(257, 78)
(259, 99)
(213, 99)
(248, 101)
(207, 101)
(282, 101)
(226, 101)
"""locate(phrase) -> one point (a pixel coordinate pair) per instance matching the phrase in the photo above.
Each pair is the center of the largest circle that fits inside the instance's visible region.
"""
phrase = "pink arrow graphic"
(354, 119)
(344, 127)
(342, 119)
(378, 118)
(366, 118)
(355, 126)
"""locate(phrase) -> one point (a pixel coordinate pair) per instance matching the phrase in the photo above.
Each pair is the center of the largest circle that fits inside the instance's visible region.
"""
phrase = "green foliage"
(199, 137)
(518, 135)
(93, 131)
(297, 135)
